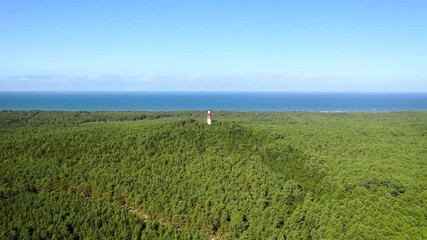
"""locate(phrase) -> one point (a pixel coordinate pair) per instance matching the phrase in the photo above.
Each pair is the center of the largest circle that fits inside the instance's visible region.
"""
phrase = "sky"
(217, 45)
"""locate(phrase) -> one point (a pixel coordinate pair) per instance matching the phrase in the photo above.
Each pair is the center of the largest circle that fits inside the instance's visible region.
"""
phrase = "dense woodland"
(256, 175)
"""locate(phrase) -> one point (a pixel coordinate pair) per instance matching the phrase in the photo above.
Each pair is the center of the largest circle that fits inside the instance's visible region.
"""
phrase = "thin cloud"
(251, 82)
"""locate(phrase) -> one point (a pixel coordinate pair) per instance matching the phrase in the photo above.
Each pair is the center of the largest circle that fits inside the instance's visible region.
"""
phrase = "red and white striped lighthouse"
(209, 118)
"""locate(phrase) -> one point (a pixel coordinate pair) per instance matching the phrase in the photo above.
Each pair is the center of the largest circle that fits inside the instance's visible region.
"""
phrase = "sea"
(234, 101)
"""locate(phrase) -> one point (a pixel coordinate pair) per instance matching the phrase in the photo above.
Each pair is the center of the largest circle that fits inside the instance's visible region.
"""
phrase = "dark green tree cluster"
(66, 216)
(248, 175)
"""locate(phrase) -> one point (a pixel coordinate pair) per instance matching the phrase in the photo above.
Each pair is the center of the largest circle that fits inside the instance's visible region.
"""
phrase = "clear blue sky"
(229, 45)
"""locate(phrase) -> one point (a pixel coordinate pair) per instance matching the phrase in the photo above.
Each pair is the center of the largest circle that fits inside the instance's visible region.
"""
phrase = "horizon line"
(194, 91)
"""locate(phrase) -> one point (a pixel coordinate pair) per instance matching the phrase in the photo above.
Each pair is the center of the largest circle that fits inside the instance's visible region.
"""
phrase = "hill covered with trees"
(257, 175)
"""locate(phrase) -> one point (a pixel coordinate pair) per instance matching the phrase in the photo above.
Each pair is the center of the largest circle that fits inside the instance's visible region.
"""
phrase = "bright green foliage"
(67, 216)
(131, 175)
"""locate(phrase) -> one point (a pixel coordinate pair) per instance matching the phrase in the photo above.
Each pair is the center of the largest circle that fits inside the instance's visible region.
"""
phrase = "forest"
(249, 175)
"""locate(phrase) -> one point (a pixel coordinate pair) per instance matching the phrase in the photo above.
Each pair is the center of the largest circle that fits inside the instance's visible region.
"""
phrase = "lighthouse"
(209, 120)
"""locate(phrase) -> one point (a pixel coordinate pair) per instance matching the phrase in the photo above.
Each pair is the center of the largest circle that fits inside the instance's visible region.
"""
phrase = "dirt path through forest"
(145, 216)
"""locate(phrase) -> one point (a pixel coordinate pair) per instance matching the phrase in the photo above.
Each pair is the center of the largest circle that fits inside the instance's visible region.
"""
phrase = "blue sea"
(162, 101)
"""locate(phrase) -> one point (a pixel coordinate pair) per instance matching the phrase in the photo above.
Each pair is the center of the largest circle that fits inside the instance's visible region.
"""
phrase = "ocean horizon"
(230, 101)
